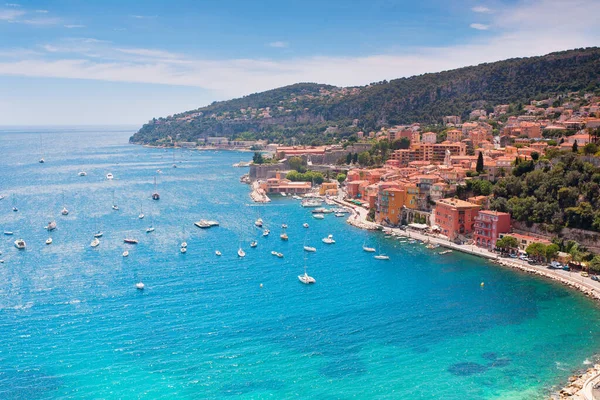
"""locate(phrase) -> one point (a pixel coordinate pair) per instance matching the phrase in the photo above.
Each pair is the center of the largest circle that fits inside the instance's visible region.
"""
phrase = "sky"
(83, 62)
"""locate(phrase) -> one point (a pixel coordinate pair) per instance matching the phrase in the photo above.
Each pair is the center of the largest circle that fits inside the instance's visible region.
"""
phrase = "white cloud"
(482, 10)
(12, 5)
(548, 28)
(279, 44)
(480, 27)
(74, 26)
(40, 21)
(10, 15)
(42, 11)
(143, 16)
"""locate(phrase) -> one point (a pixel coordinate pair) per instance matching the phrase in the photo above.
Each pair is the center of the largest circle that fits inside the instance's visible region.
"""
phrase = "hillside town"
(423, 184)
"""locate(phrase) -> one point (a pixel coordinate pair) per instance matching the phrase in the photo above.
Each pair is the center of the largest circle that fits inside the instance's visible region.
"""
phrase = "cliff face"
(305, 110)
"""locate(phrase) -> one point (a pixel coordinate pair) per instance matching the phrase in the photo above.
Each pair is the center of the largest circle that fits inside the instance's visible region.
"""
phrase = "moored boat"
(130, 241)
(20, 244)
(95, 242)
(328, 239)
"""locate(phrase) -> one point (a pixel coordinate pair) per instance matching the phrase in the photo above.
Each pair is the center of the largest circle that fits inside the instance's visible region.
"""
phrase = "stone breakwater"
(580, 387)
(258, 195)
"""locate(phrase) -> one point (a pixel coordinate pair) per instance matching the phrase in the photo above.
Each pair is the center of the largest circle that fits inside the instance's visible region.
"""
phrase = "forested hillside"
(305, 111)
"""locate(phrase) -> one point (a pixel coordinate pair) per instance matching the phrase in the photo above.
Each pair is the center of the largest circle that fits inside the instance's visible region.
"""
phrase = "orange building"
(391, 200)
(455, 217)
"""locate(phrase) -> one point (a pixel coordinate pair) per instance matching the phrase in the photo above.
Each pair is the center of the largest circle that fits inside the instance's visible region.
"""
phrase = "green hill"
(305, 110)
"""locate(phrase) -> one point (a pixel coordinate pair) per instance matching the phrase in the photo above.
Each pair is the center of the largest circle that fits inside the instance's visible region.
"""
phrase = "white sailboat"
(114, 205)
(310, 249)
(141, 216)
(284, 235)
(241, 253)
(266, 232)
(14, 208)
(41, 161)
(253, 244)
(381, 256)
(51, 226)
(82, 173)
(368, 249)
(64, 210)
(259, 222)
(305, 278)
(125, 253)
(95, 242)
(49, 240)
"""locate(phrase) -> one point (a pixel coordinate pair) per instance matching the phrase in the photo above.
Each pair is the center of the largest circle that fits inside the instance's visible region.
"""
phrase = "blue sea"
(420, 326)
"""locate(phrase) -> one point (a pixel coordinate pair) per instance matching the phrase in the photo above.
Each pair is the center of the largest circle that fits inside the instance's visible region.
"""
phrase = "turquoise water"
(72, 324)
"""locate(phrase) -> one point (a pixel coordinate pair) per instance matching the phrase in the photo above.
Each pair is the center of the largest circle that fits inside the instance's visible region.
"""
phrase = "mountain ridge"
(304, 111)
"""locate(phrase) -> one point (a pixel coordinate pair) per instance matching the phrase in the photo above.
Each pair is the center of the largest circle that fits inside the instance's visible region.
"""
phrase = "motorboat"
(183, 250)
(382, 257)
(445, 252)
(327, 211)
(283, 194)
(328, 240)
(64, 211)
(311, 203)
(310, 249)
(115, 207)
(241, 253)
(15, 209)
(49, 240)
(284, 236)
(368, 249)
(82, 173)
(337, 214)
(306, 279)
(98, 234)
(183, 245)
(319, 210)
(284, 226)
(125, 253)
(51, 226)
(280, 255)
(305, 225)
(318, 216)
(204, 224)
(139, 286)
(20, 244)
(141, 216)
(217, 252)
(109, 176)
(41, 161)
(150, 229)
(266, 232)
(274, 253)
(253, 243)
(296, 197)
(259, 222)
(8, 233)
(130, 241)
(95, 242)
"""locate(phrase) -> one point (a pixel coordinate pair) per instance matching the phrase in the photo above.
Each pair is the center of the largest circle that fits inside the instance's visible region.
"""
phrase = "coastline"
(581, 385)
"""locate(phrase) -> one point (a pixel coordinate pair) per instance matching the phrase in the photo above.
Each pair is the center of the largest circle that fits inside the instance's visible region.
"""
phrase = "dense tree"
(507, 243)
(297, 163)
(479, 168)
(349, 158)
(341, 177)
(355, 158)
(364, 159)
(257, 158)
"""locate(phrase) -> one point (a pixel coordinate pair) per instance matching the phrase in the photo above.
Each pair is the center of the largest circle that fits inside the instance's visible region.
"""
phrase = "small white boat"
(51, 226)
(339, 215)
(115, 207)
(95, 242)
(1, 197)
(310, 249)
(20, 244)
(82, 173)
(318, 216)
(328, 240)
(306, 279)
(125, 253)
(274, 253)
(368, 249)
(64, 211)
(217, 252)
(241, 253)
(266, 232)
(305, 225)
(259, 222)
(130, 241)
(141, 216)
(382, 257)
(150, 229)
(183, 245)
(98, 234)
(283, 194)
(280, 255)
(8, 233)
(15, 209)
(284, 236)
(253, 244)
(49, 241)
(284, 226)
(42, 161)
(139, 286)
(296, 197)
(183, 250)
(109, 176)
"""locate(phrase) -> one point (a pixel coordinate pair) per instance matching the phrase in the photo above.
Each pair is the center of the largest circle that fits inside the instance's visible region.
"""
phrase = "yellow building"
(329, 188)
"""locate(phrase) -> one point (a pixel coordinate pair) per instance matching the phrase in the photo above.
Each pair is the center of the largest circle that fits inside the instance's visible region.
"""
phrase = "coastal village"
(418, 186)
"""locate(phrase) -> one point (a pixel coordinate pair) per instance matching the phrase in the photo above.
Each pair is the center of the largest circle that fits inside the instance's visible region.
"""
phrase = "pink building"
(488, 227)
(455, 217)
